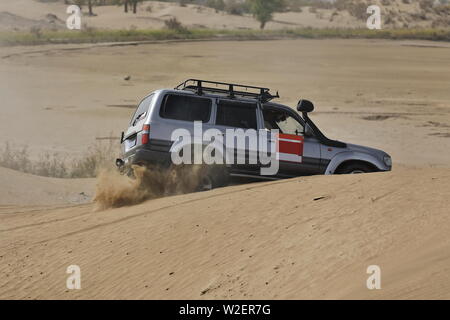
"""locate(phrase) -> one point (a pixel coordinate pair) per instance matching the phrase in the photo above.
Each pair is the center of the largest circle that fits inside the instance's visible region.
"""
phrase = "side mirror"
(305, 106)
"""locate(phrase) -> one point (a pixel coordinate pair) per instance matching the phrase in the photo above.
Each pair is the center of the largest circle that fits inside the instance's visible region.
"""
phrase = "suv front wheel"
(355, 168)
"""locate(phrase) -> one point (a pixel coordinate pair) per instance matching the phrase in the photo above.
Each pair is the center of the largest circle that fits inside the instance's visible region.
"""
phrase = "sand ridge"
(19, 188)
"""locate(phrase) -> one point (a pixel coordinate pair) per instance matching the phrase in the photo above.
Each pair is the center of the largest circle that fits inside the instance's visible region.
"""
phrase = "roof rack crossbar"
(198, 86)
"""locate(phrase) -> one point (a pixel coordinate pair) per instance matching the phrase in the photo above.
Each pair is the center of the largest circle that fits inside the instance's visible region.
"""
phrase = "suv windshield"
(142, 110)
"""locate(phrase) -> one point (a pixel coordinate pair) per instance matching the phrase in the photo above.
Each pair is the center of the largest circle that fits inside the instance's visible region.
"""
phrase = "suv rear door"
(131, 137)
(180, 111)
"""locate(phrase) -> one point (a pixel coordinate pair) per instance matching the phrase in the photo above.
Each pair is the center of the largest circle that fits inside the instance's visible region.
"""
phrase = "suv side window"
(236, 114)
(186, 108)
(283, 121)
(141, 110)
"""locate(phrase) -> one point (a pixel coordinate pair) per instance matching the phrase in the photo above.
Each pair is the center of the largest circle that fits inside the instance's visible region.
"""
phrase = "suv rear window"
(186, 108)
(236, 114)
(141, 110)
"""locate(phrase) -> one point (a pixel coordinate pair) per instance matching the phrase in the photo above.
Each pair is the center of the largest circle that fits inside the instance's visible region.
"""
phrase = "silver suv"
(301, 148)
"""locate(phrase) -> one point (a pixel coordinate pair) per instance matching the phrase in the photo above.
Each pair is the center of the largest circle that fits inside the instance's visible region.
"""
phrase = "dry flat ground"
(302, 238)
(400, 90)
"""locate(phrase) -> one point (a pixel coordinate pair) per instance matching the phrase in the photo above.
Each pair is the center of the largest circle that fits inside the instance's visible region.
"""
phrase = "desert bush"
(333, 15)
(174, 24)
(441, 23)
(358, 10)
(442, 10)
(99, 155)
(36, 31)
(425, 4)
(237, 8)
(16, 159)
(218, 5)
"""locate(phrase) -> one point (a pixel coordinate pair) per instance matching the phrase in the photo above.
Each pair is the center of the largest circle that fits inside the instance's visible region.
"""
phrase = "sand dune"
(152, 14)
(25, 189)
(302, 238)
(113, 17)
(10, 21)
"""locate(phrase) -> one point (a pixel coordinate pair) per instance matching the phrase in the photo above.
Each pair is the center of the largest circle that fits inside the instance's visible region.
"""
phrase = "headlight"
(388, 160)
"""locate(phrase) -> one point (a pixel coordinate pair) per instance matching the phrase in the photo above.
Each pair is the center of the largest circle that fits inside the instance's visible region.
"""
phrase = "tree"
(135, 5)
(132, 4)
(263, 10)
(90, 4)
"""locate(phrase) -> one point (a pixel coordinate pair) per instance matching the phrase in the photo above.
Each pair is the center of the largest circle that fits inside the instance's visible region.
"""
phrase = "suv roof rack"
(232, 90)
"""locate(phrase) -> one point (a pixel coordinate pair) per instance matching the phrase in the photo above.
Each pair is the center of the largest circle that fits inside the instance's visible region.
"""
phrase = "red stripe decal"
(290, 147)
(290, 137)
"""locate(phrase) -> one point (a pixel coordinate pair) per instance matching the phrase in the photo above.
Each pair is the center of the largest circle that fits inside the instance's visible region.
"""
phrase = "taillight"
(145, 133)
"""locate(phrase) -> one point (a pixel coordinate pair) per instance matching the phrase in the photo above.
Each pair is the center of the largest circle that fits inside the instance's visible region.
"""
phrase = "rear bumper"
(145, 157)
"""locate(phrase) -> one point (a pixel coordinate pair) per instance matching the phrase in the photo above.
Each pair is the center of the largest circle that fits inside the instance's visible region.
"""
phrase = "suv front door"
(298, 154)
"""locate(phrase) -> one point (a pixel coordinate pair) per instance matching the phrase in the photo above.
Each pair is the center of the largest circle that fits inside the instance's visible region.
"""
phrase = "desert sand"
(313, 240)
(26, 189)
(302, 238)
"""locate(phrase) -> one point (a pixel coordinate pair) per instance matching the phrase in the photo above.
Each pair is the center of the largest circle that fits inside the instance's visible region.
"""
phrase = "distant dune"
(9, 21)
(26, 189)
(23, 14)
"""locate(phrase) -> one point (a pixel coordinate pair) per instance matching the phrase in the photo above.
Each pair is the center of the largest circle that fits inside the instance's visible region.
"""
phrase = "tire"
(213, 177)
(220, 176)
(355, 168)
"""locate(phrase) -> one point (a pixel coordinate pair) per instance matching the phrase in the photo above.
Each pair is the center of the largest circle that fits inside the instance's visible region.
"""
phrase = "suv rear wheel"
(212, 177)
